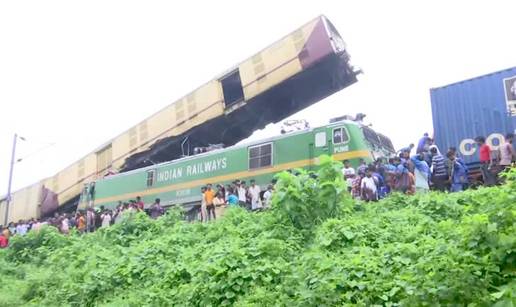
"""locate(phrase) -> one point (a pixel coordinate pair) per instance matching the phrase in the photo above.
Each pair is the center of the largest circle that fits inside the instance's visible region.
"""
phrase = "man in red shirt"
(486, 161)
(139, 203)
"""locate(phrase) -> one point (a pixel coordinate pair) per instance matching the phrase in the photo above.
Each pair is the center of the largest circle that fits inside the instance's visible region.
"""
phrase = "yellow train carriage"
(278, 62)
(24, 204)
(294, 72)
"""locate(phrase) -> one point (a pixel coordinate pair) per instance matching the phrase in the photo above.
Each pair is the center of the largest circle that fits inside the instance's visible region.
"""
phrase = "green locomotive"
(180, 181)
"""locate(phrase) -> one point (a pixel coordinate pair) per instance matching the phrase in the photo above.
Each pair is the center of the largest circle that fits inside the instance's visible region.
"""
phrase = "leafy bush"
(315, 247)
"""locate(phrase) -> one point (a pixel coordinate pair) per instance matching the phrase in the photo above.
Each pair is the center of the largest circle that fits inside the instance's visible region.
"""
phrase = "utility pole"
(8, 198)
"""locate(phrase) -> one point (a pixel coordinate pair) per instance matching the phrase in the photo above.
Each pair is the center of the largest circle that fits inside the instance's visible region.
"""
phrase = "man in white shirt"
(267, 196)
(369, 189)
(242, 194)
(21, 228)
(254, 191)
(349, 174)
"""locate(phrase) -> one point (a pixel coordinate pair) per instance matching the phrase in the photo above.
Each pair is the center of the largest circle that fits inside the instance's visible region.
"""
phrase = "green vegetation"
(316, 247)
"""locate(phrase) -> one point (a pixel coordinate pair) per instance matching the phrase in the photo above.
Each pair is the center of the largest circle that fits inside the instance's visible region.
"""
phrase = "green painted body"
(180, 181)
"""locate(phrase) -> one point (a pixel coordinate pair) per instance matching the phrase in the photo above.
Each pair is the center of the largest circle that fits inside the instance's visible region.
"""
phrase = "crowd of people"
(83, 221)
(426, 169)
(213, 203)
(238, 193)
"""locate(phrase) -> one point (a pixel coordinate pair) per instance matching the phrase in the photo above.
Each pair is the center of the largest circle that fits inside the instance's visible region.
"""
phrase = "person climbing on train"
(407, 149)
(423, 144)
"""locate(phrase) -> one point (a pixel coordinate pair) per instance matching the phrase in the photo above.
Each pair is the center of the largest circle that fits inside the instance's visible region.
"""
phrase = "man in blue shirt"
(422, 172)
(232, 198)
(362, 167)
(458, 172)
(401, 182)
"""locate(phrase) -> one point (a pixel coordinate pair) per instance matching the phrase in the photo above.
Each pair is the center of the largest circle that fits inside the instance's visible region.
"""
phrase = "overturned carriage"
(291, 74)
(294, 72)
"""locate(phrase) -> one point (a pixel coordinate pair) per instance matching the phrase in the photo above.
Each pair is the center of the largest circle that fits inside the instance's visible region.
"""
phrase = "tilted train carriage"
(289, 75)
(179, 181)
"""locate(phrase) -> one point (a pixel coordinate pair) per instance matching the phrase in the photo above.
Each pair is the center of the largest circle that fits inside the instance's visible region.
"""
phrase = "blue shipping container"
(475, 107)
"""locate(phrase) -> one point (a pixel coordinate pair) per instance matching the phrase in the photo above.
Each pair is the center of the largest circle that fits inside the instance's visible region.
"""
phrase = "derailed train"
(289, 75)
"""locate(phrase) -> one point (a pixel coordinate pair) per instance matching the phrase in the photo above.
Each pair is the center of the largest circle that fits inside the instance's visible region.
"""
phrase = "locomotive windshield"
(371, 136)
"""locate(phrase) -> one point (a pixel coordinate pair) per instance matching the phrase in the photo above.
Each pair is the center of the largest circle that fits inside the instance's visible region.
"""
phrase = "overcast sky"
(77, 73)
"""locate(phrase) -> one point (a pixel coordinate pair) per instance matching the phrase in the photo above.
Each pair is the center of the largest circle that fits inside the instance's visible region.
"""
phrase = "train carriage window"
(232, 88)
(320, 139)
(260, 156)
(150, 177)
(104, 158)
(340, 135)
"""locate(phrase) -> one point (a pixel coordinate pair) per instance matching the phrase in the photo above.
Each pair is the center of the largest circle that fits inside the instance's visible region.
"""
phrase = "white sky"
(77, 73)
